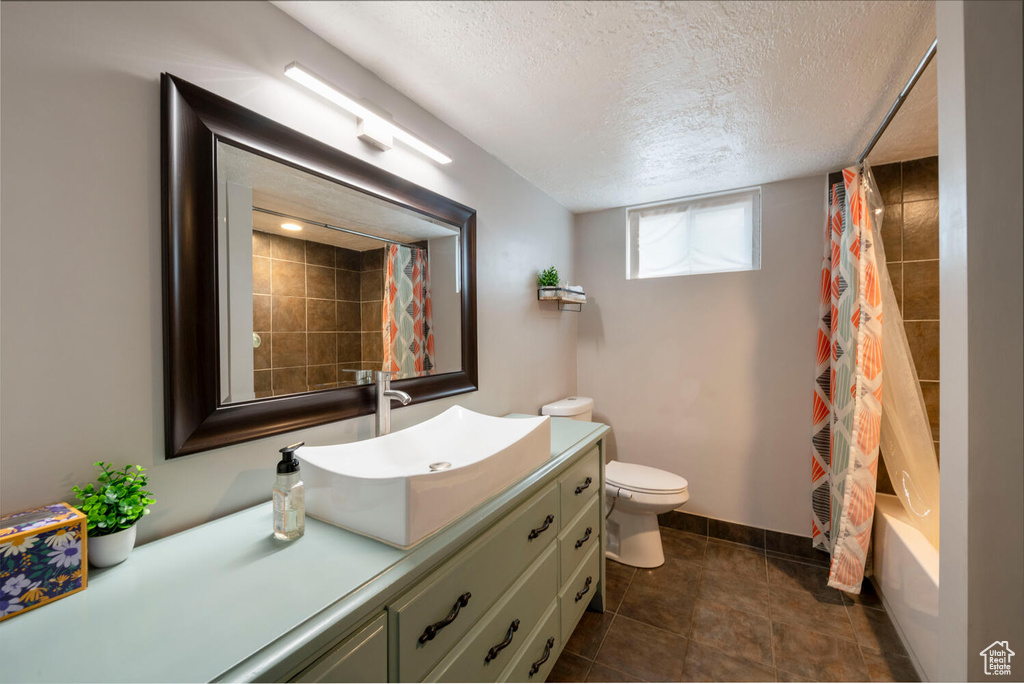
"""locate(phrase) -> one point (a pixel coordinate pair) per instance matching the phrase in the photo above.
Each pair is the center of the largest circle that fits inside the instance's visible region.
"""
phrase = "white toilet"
(634, 495)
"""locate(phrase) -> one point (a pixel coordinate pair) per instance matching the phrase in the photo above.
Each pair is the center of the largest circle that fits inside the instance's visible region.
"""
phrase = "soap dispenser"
(289, 497)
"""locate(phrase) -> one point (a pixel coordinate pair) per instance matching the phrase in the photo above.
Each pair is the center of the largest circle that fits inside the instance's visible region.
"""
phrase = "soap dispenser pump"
(289, 497)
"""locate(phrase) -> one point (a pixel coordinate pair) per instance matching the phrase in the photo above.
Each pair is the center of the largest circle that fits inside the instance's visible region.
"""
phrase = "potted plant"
(547, 282)
(112, 506)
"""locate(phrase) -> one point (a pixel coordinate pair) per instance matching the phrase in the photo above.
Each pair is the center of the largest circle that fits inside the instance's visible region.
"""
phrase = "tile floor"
(721, 611)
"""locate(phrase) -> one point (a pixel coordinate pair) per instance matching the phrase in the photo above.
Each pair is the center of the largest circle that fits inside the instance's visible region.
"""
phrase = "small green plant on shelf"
(117, 501)
(548, 278)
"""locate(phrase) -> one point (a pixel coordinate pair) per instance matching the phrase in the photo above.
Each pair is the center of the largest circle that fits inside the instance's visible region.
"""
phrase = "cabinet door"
(362, 657)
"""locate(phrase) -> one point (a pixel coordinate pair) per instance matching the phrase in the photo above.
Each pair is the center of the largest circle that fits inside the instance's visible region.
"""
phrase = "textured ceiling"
(612, 103)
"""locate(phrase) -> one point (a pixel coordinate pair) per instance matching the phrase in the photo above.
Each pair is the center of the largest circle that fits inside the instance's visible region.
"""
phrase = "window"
(708, 234)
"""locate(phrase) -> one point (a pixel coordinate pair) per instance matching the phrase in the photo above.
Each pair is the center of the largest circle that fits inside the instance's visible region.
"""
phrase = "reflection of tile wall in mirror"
(318, 293)
(307, 312)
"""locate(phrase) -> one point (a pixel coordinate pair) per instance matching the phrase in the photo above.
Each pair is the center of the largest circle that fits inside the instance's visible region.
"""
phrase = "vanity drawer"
(579, 483)
(362, 657)
(534, 662)
(523, 608)
(578, 591)
(578, 537)
(484, 570)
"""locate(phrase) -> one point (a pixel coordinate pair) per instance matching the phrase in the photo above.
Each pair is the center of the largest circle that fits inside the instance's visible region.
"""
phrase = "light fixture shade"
(371, 120)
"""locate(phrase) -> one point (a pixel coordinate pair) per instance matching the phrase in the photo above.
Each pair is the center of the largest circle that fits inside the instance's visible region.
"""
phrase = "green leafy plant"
(548, 278)
(116, 501)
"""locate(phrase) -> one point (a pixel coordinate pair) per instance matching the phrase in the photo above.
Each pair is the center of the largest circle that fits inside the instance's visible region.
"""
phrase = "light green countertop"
(226, 601)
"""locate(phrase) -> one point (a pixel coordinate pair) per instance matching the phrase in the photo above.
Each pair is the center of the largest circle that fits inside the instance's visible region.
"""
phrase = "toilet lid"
(643, 479)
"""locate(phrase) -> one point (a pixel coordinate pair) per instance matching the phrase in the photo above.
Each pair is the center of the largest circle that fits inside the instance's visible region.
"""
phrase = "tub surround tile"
(261, 276)
(705, 664)
(320, 283)
(371, 260)
(262, 383)
(921, 290)
(892, 232)
(896, 278)
(288, 350)
(321, 377)
(286, 248)
(350, 346)
(261, 355)
(288, 278)
(923, 338)
(736, 533)
(347, 259)
(289, 380)
(347, 286)
(816, 656)
(319, 254)
(321, 315)
(322, 348)
(921, 179)
(348, 316)
(260, 243)
(930, 391)
(289, 314)
(920, 230)
(261, 313)
(735, 632)
(889, 179)
(646, 652)
(686, 522)
(371, 285)
(373, 347)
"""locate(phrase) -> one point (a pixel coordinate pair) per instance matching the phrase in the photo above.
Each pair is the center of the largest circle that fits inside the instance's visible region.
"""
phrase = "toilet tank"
(577, 408)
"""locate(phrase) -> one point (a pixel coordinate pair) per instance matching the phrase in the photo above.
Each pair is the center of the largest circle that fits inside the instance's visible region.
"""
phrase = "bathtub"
(906, 575)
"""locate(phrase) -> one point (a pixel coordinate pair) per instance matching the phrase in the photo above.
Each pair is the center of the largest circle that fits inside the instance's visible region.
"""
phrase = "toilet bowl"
(635, 495)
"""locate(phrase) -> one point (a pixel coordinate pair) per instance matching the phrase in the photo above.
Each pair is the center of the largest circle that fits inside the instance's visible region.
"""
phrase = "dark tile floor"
(718, 611)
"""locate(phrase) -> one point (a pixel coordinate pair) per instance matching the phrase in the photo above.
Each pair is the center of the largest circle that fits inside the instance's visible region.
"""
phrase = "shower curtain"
(848, 388)
(408, 326)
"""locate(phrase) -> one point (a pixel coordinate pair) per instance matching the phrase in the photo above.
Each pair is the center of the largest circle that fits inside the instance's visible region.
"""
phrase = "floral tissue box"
(42, 557)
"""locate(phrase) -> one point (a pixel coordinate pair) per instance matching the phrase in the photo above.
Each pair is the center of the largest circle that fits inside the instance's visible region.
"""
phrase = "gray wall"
(709, 376)
(80, 350)
(981, 205)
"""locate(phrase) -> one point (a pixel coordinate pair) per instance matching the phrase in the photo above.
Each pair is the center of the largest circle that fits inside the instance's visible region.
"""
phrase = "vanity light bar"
(303, 76)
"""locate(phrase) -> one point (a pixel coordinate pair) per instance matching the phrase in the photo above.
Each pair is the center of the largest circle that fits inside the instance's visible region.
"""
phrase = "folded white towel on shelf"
(573, 288)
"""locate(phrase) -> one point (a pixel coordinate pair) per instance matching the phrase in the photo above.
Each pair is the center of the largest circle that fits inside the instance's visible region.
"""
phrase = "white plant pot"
(111, 549)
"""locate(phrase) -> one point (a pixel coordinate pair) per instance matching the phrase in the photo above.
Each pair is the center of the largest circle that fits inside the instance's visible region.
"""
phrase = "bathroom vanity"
(493, 596)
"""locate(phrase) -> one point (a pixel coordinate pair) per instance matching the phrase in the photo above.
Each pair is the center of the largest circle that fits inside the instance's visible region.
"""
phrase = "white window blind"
(700, 235)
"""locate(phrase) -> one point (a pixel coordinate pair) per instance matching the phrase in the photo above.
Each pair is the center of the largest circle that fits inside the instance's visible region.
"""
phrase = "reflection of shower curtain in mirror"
(408, 324)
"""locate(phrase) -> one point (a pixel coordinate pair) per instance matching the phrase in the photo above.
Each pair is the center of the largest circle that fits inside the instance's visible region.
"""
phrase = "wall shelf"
(566, 299)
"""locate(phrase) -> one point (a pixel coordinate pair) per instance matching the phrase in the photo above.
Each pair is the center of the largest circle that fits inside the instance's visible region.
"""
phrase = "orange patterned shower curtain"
(408, 315)
(848, 387)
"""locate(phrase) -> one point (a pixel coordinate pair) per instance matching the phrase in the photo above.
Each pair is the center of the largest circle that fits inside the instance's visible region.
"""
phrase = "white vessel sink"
(401, 487)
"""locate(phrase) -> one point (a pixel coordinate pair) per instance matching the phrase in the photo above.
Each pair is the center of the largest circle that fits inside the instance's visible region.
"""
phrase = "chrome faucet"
(385, 395)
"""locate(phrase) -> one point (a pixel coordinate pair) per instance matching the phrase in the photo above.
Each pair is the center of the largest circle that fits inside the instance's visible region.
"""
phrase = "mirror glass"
(320, 284)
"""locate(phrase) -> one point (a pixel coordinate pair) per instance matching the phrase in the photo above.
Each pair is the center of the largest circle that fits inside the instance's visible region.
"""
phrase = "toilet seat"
(641, 479)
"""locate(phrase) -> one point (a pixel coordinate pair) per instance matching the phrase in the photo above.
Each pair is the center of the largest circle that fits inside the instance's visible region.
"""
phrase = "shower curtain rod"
(900, 100)
(327, 225)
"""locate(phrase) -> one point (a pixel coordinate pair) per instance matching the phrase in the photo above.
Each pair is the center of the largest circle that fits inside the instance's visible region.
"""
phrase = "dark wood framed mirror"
(211, 397)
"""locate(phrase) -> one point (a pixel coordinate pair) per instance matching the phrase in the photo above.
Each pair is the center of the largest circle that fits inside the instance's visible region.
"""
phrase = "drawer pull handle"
(583, 540)
(431, 631)
(535, 668)
(495, 650)
(586, 484)
(547, 523)
(586, 587)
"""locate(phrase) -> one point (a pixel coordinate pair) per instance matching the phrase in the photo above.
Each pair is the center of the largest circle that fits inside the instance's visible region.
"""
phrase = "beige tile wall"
(307, 308)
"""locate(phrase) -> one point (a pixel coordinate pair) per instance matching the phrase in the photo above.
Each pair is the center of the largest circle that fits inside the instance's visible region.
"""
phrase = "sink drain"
(440, 465)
